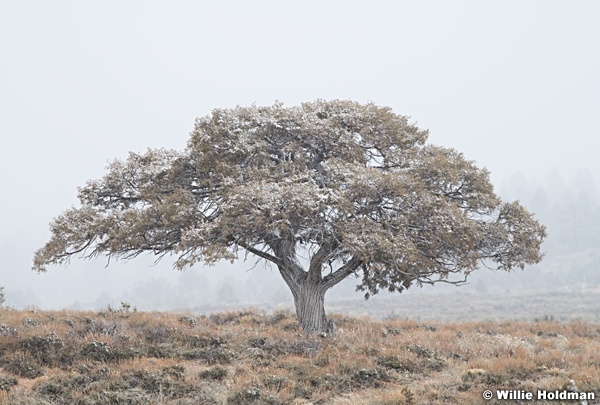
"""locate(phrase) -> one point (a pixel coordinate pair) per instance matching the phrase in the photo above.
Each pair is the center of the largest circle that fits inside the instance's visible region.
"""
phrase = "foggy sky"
(512, 84)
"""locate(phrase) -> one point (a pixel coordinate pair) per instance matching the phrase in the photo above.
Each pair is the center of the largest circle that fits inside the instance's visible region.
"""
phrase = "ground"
(125, 357)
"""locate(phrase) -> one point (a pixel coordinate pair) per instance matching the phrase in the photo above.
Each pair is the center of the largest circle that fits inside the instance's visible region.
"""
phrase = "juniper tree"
(322, 191)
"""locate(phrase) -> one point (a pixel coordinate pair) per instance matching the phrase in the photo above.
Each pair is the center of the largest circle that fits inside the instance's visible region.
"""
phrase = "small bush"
(156, 384)
(89, 326)
(231, 318)
(8, 331)
(46, 349)
(397, 363)
(421, 351)
(275, 382)
(409, 396)
(133, 396)
(291, 327)
(370, 377)
(146, 380)
(54, 390)
(7, 382)
(479, 377)
(159, 334)
(216, 373)
(202, 341)
(392, 331)
(30, 322)
(99, 351)
(248, 396)
(258, 342)
(277, 317)
(306, 348)
(157, 352)
(125, 308)
(23, 366)
(189, 321)
(210, 355)
(176, 372)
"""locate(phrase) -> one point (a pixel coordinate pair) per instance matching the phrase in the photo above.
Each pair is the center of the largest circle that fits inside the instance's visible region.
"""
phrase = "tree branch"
(319, 258)
(260, 253)
(341, 273)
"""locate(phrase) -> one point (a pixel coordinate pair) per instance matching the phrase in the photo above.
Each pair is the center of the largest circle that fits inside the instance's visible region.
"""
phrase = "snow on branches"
(356, 187)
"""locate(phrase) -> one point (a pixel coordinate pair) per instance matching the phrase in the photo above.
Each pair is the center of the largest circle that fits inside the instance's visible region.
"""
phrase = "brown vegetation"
(124, 357)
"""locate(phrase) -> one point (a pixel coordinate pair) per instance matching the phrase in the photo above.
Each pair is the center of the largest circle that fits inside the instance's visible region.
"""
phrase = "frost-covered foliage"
(355, 187)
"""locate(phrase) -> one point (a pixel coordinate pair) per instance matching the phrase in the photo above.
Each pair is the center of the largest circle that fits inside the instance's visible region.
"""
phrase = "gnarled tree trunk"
(309, 299)
(308, 287)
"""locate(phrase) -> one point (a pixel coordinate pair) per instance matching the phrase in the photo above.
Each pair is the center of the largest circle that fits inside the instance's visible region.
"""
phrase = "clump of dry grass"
(240, 357)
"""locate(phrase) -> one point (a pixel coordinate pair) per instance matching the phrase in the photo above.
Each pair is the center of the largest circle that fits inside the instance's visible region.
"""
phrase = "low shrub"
(23, 366)
(7, 382)
(216, 373)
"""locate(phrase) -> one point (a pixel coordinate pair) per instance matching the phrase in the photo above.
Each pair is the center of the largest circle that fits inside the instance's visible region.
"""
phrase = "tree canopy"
(353, 188)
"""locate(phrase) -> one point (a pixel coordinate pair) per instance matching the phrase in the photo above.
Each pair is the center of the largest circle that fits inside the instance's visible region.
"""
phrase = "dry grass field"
(245, 357)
